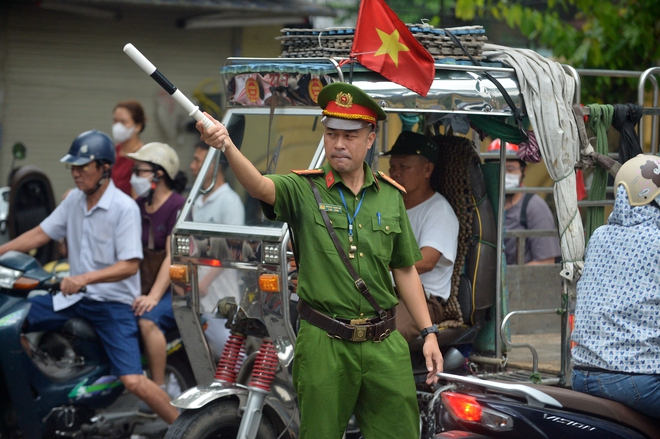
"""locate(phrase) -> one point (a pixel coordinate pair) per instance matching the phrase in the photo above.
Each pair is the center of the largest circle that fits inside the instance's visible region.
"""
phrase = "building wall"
(61, 74)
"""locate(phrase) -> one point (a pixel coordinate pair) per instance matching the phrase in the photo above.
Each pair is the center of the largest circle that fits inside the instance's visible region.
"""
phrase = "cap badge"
(344, 100)
(83, 149)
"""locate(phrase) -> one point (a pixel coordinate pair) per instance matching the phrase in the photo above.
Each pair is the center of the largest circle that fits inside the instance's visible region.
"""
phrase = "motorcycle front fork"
(263, 374)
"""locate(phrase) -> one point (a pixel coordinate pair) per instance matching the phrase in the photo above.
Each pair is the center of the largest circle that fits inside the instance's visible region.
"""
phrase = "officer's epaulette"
(391, 181)
(304, 172)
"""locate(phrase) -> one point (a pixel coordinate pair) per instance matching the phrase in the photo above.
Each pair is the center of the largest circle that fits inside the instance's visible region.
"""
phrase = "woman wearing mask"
(157, 182)
(128, 121)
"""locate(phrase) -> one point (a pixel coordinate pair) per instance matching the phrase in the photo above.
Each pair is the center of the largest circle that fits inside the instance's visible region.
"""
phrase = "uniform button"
(362, 255)
(361, 314)
(359, 226)
(387, 227)
(356, 198)
(330, 221)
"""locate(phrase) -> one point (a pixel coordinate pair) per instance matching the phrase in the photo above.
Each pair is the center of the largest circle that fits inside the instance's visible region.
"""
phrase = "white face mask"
(140, 185)
(120, 133)
(511, 181)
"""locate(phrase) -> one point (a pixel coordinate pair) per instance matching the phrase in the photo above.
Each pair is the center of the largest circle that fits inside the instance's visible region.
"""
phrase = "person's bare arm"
(412, 294)
(430, 258)
(33, 238)
(162, 283)
(114, 273)
(257, 185)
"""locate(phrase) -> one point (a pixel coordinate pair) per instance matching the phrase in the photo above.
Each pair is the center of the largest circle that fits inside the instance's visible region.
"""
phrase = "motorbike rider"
(434, 223)
(102, 226)
(617, 355)
(335, 374)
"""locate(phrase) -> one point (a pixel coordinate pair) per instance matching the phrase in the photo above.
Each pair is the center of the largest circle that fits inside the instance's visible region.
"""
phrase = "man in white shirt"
(433, 221)
(221, 205)
(102, 227)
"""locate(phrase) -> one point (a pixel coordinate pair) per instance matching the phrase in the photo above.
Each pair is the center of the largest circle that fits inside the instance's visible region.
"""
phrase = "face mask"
(120, 133)
(511, 181)
(140, 185)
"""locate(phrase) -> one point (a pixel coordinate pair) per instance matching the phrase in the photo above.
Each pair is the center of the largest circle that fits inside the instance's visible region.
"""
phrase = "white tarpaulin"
(548, 95)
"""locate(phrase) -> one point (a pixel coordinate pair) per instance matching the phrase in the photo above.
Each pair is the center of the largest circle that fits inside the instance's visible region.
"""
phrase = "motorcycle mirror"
(19, 151)
(453, 359)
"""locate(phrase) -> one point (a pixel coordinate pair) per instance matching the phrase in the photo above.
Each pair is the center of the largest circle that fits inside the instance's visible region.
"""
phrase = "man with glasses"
(102, 227)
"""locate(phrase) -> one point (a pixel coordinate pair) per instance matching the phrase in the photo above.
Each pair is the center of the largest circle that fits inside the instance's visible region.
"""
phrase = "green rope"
(497, 128)
(600, 119)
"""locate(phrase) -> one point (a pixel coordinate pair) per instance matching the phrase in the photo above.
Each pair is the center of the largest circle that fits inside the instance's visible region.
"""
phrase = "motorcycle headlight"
(8, 277)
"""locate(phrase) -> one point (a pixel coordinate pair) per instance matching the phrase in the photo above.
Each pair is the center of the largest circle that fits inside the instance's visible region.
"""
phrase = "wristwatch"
(429, 330)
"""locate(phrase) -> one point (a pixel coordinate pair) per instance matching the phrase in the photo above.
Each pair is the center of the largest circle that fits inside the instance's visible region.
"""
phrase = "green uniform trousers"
(337, 378)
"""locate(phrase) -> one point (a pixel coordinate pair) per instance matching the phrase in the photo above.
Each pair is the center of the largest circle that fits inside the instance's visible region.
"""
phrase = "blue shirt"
(617, 317)
(108, 233)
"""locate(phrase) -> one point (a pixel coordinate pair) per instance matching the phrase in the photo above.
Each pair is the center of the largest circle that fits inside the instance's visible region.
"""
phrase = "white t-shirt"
(435, 225)
(108, 233)
(222, 206)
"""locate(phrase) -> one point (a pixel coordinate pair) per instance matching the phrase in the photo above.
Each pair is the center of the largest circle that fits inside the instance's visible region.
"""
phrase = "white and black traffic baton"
(151, 70)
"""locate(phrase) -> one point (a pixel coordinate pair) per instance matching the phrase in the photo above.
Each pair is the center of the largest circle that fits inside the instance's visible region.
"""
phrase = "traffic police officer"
(349, 358)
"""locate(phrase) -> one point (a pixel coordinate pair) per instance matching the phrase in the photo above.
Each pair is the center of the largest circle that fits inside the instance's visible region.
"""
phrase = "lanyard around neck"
(357, 209)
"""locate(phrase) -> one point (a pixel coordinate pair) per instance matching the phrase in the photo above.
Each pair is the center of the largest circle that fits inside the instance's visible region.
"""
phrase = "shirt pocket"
(102, 244)
(339, 222)
(386, 229)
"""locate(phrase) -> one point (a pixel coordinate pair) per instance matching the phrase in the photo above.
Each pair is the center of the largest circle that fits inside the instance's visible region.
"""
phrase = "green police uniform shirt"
(381, 234)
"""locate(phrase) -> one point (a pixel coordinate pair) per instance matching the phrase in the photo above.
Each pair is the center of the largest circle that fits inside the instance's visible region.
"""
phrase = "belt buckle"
(359, 333)
(383, 336)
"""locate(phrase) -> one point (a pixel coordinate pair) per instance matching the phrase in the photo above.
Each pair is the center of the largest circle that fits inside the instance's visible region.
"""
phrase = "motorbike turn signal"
(26, 284)
(269, 283)
(179, 273)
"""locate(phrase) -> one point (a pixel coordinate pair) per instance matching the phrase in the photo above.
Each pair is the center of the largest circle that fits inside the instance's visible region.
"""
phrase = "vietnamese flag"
(384, 44)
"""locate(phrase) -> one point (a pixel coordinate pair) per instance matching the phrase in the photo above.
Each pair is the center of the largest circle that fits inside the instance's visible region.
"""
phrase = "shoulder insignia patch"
(308, 171)
(391, 181)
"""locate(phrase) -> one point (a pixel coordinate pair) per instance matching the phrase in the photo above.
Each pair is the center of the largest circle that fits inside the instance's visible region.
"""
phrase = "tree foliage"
(595, 34)
(589, 34)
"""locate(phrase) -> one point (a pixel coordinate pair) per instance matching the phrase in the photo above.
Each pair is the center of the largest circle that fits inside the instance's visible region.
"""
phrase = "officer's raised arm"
(250, 178)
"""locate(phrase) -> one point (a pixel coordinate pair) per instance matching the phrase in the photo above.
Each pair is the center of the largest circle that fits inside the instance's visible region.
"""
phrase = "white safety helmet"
(640, 176)
(160, 154)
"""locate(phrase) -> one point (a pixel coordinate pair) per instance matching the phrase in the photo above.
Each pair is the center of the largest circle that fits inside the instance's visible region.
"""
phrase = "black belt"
(375, 329)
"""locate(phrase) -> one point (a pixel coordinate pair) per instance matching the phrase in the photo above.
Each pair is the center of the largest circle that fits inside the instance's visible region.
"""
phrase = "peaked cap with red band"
(345, 101)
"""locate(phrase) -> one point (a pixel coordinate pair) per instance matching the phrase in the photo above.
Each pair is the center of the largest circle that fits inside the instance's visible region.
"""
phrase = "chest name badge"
(333, 208)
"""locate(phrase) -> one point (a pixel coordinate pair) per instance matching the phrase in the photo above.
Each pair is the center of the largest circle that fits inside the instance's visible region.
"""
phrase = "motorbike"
(63, 387)
(472, 408)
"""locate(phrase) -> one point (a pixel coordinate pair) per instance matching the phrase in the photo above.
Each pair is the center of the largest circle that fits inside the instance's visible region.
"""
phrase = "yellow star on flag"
(391, 45)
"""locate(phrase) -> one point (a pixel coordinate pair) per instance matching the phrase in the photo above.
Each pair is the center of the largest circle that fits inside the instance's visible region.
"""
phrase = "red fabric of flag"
(384, 44)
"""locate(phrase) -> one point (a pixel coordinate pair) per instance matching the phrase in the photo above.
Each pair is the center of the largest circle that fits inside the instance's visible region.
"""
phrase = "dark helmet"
(89, 146)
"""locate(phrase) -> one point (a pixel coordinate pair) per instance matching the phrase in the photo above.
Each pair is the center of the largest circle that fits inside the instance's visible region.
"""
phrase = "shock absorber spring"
(265, 366)
(231, 360)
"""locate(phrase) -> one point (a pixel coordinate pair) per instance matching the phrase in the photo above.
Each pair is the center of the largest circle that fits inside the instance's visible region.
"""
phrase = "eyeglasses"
(77, 168)
(138, 171)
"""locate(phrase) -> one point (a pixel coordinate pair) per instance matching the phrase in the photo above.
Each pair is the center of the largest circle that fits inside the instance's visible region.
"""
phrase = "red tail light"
(462, 407)
(466, 408)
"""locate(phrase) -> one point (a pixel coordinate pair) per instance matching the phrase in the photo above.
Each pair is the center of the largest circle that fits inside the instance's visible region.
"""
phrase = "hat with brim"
(76, 160)
(347, 102)
(160, 154)
(412, 143)
(344, 124)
